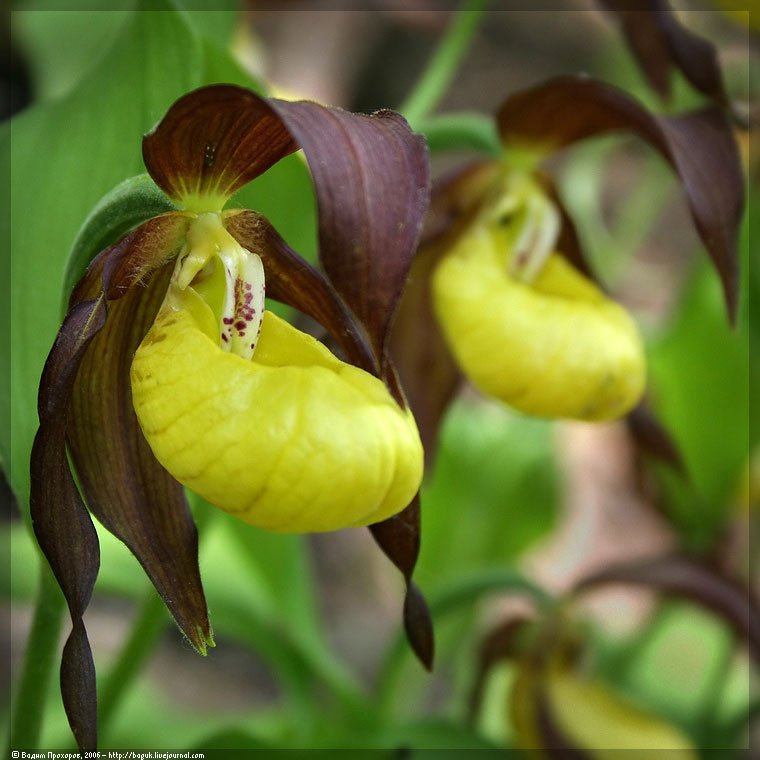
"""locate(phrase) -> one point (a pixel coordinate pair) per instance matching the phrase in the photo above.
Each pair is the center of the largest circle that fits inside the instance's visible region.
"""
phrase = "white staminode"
(228, 277)
(536, 222)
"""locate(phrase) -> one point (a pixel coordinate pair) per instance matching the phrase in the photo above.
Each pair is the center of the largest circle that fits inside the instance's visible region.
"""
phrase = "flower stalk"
(442, 67)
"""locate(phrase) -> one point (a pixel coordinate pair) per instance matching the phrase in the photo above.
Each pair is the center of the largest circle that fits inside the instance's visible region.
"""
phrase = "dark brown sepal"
(399, 538)
(659, 43)
(695, 580)
(371, 179)
(61, 523)
(700, 146)
(652, 438)
(213, 141)
(123, 484)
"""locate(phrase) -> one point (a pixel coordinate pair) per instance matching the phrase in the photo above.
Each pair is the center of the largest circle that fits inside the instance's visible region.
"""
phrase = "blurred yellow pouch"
(554, 347)
(293, 440)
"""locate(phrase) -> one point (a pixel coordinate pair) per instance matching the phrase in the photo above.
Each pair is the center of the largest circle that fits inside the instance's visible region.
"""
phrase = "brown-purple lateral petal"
(660, 42)
(700, 147)
(696, 580)
(213, 141)
(371, 179)
(132, 257)
(61, 523)
(123, 484)
(399, 538)
(557, 745)
(568, 243)
(292, 280)
(650, 436)
(429, 375)
(501, 643)
(456, 197)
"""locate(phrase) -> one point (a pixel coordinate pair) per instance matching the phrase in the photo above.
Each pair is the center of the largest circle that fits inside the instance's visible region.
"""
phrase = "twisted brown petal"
(213, 141)
(399, 538)
(61, 523)
(695, 580)
(660, 42)
(123, 484)
(83, 402)
(700, 147)
(294, 281)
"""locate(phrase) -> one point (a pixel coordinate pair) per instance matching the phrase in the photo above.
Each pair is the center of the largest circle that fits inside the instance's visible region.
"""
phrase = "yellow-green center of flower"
(228, 278)
(527, 223)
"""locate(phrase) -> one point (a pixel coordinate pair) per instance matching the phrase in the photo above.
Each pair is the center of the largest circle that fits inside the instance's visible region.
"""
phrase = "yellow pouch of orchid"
(554, 347)
(292, 440)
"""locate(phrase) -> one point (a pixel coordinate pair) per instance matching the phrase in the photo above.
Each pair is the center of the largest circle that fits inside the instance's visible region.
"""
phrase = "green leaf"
(131, 202)
(55, 68)
(92, 142)
(700, 386)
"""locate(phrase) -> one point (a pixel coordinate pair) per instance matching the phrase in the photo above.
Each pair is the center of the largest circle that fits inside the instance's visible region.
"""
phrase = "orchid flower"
(168, 370)
(501, 290)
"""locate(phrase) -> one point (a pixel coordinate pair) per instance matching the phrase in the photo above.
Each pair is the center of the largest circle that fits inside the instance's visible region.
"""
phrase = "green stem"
(39, 659)
(441, 68)
(452, 131)
(146, 631)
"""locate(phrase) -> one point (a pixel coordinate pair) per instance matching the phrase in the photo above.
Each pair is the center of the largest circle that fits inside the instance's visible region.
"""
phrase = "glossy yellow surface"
(292, 440)
(552, 347)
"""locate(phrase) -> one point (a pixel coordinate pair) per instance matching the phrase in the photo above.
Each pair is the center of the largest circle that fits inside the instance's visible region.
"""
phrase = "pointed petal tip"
(202, 640)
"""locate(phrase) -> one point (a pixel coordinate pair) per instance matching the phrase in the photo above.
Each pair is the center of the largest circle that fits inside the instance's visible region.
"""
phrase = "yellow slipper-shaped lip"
(293, 440)
(554, 347)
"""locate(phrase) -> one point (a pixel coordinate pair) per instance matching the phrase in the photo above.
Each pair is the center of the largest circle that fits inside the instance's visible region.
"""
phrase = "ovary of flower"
(290, 439)
(555, 346)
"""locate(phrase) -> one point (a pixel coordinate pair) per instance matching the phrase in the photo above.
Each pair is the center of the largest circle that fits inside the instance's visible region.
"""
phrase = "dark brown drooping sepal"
(695, 580)
(371, 179)
(84, 404)
(399, 538)
(61, 523)
(213, 141)
(700, 147)
(660, 43)
(122, 482)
